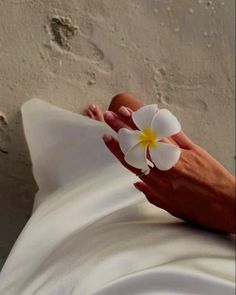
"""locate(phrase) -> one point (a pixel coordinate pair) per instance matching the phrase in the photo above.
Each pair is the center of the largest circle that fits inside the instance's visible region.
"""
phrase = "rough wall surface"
(177, 53)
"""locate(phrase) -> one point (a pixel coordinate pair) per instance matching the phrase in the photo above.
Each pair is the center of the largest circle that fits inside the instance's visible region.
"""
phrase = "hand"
(198, 189)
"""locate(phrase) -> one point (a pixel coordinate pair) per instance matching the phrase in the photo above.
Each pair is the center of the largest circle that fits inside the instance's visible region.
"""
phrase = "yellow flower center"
(148, 138)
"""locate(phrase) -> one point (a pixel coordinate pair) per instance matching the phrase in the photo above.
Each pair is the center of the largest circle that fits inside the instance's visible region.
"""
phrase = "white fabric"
(91, 232)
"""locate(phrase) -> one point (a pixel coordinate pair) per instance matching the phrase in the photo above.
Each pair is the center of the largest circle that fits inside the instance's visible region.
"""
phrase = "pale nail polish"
(124, 112)
(92, 107)
(109, 116)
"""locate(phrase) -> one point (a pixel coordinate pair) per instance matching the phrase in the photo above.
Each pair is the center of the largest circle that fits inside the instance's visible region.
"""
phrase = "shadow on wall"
(17, 185)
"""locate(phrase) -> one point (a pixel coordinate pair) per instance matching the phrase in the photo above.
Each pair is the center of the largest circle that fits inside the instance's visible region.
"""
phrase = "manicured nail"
(107, 137)
(109, 116)
(124, 112)
(92, 107)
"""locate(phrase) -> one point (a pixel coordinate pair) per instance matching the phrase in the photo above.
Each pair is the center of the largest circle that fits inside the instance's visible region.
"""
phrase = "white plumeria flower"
(153, 125)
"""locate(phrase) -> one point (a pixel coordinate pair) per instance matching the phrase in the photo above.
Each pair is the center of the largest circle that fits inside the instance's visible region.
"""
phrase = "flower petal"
(143, 117)
(128, 139)
(165, 124)
(165, 155)
(150, 163)
(136, 157)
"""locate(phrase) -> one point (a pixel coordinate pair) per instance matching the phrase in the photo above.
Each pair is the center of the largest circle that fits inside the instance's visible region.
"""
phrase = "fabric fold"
(91, 232)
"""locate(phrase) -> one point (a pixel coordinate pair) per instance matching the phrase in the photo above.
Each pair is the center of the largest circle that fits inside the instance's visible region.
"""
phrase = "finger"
(125, 114)
(92, 107)
(152, 196)
(114, 121)
(90, 114)
(97, 112)
(183, 140)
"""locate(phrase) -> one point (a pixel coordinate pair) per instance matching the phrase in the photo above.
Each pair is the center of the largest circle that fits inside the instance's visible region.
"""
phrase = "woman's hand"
(198, 189)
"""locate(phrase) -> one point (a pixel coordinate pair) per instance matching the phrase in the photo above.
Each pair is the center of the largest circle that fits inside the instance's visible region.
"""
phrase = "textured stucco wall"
(178, 53)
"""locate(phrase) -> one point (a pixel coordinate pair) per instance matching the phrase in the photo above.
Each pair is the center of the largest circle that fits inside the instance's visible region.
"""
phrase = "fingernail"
(109, 116)
(107, 137)
(92, 107)
(124, 112)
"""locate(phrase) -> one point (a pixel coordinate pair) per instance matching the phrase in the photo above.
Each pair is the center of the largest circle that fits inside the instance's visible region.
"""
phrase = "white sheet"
(91, 232)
